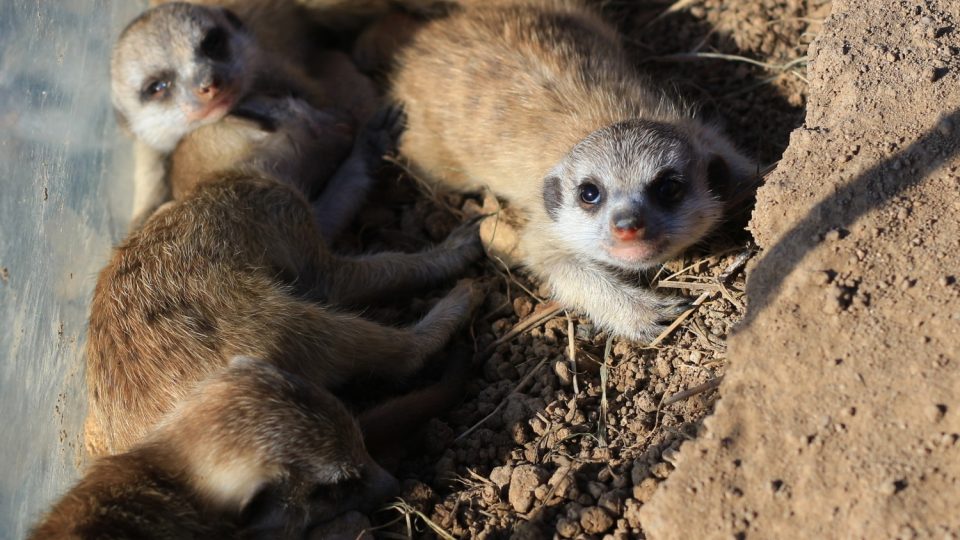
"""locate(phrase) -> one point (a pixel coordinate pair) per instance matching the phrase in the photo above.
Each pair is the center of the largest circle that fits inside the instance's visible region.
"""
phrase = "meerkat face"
(634, 194)
(179, 66)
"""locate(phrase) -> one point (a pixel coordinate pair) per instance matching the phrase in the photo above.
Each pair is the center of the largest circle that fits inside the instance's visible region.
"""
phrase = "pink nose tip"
(626, 227)
(207, 92)
(625, 234)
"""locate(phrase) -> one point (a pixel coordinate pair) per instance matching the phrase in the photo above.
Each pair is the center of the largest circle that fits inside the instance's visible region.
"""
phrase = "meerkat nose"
(626, 226)
(208, 87)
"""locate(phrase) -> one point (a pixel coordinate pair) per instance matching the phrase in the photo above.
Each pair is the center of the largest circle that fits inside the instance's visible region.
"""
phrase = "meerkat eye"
(589, 193)
(668, 189)
(215, 44)
(156, 89)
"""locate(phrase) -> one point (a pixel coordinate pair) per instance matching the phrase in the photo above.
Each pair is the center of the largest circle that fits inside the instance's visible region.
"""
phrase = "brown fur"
(239, 267)
(536, 99)
(248, 430)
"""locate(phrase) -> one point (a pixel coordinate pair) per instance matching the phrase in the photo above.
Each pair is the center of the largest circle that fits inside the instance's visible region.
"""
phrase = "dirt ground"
(839, 415)
(542, 446)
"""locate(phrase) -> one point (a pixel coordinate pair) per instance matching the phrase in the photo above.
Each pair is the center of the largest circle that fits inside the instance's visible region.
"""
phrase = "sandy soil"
(839, 415)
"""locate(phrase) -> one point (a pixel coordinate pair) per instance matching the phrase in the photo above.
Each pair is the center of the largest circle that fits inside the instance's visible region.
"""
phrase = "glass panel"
(64, 200)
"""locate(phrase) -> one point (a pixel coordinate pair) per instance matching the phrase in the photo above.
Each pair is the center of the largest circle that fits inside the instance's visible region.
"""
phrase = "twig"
(407, 510)
(692, 285)
(604, 376)
(526, 378)
(546, 312)
(690, 392)
(675, 7)
(697, 56)
(572, 353)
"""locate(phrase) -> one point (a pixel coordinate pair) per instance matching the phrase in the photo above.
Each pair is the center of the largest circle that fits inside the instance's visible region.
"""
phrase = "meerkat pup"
(249, 431)
(539, 102)
(238, 266)
(180, 66)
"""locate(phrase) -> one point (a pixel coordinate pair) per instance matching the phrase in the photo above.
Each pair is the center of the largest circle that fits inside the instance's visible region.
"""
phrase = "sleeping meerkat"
(539, 102)
(180, 66)
(253, 451)
(239, 267)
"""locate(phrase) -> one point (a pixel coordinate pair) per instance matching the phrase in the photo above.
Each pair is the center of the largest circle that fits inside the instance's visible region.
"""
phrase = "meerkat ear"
(719, 177)
(730, 174)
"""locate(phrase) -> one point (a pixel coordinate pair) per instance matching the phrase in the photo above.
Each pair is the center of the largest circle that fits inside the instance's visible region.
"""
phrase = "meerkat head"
(179, 66)
(637, 193)
(254, 432)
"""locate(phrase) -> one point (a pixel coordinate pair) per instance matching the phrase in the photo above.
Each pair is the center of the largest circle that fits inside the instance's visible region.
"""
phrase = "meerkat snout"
(177, 67)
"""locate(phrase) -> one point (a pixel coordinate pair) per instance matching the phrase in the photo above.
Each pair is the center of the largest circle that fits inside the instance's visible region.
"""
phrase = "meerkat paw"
(651, 315)
(465, 240)
(473, 292)
(381, 134)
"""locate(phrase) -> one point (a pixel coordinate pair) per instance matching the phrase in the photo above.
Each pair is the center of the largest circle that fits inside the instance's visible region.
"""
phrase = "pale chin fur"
(161, 131)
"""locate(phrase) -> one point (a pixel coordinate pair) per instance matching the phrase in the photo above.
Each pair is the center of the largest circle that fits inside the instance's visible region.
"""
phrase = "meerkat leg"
(353, 347)
(625, 309)
(366, 279)
(346, 191)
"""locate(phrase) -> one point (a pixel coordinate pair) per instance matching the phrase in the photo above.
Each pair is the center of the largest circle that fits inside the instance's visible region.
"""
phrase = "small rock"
(596, 489)
(567, 528)
(561, 367)
(631, 513)
(522, 306)
(661, 470)
(501, 475)
(832, 235)
(936, 412)
(645, 490)
(595, 520)
(523, 482)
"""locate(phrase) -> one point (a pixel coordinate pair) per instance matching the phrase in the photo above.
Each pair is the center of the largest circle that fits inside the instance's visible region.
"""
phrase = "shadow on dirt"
(871, 190)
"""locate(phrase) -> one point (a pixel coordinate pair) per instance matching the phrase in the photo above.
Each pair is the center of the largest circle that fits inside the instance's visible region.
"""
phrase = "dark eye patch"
(216, 44)
(157, 87)
(668, 189)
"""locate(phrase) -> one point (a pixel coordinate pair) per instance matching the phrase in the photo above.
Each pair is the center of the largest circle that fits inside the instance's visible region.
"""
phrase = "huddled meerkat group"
(222, 323)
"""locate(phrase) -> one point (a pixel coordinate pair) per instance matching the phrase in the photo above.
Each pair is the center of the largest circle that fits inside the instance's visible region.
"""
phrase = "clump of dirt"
(543, 445)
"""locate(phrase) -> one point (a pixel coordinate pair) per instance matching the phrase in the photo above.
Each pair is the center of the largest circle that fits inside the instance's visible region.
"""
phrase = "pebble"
(523, 482)
(567, 528)
(595, 520)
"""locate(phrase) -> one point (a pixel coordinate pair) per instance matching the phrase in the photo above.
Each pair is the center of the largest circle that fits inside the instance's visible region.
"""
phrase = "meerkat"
(253, 451)
(180, 66)
(239, 266)
(538, 102)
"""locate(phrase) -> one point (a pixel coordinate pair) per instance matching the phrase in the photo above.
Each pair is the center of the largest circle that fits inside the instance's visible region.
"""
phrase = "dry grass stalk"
(408, 511)
(690, 392)
(516, 389)
(572, 353)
